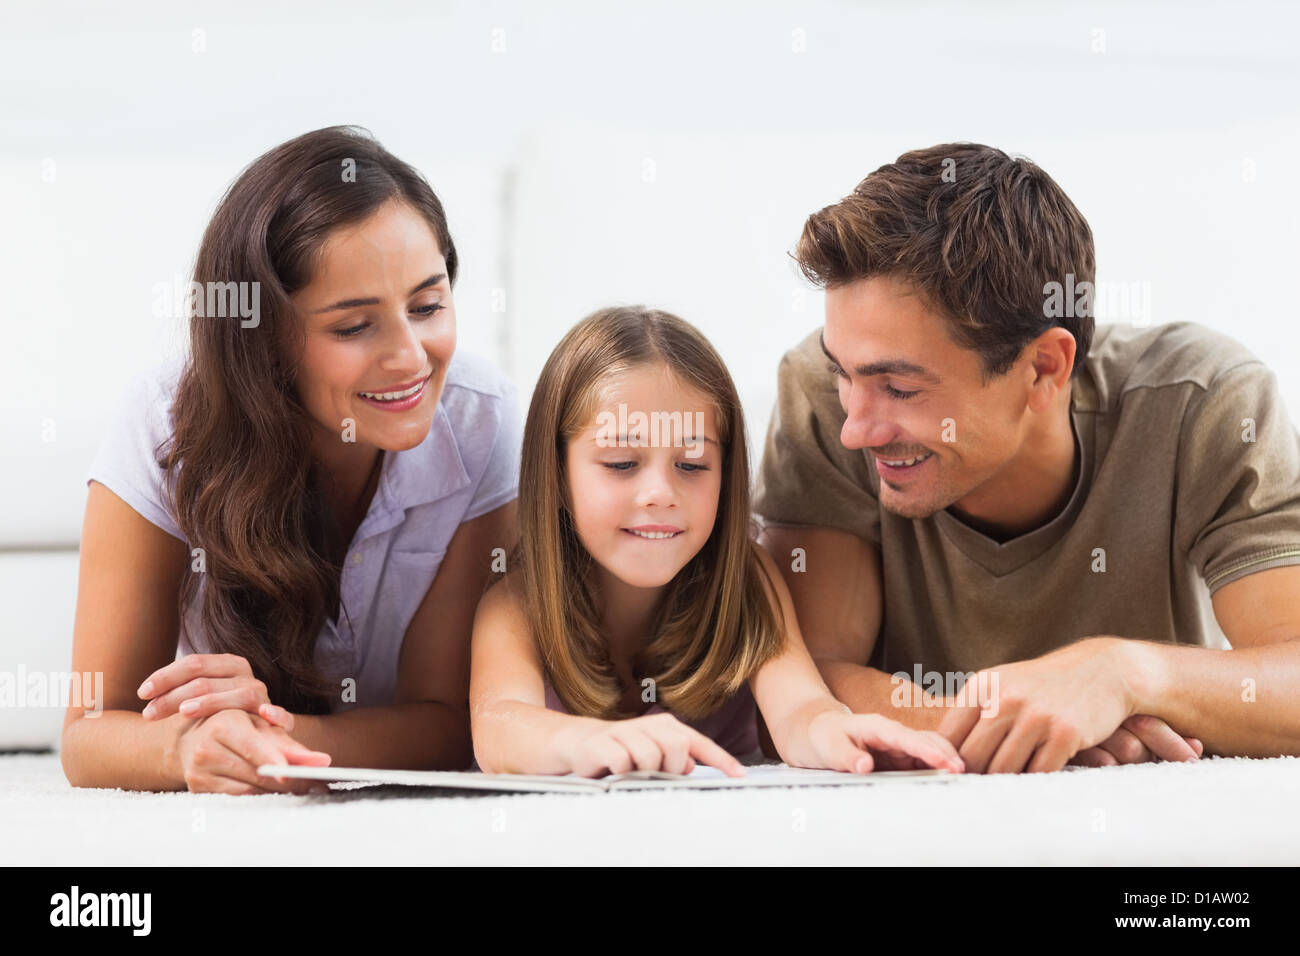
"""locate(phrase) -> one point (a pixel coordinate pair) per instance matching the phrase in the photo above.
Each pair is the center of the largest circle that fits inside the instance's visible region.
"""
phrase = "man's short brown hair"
(980, 235)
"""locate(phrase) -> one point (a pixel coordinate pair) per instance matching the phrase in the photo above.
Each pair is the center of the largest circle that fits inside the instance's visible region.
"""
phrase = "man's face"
(909, 391)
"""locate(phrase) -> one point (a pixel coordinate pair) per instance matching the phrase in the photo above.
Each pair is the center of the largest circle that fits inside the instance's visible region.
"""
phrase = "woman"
(285, 540)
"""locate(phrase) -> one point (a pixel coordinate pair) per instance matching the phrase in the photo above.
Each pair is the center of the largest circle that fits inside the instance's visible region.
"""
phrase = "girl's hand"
(860, 743)
(654, 742)
(200, 685)
(221, 754)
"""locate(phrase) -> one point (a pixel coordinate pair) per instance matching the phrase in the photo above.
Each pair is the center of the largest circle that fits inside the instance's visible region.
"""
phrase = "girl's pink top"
(733, 726)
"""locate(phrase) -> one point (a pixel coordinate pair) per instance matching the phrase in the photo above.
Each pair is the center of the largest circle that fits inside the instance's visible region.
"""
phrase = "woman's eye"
(619, 465)
(349, 333)
(895, 393)
(428, 309)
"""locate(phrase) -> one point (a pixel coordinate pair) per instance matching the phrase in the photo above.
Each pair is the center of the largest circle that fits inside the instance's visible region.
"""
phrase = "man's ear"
(1052, 361)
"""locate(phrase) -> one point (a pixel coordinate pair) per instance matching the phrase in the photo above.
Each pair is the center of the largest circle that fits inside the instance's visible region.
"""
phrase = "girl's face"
(379, 330)
(644, 512)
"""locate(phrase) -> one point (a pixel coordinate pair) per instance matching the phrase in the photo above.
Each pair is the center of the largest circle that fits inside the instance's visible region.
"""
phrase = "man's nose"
(868, 423)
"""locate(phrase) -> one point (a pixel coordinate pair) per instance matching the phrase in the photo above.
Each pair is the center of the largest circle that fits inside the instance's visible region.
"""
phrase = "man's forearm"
(419, 735)
(1242, 702)
(869, 691)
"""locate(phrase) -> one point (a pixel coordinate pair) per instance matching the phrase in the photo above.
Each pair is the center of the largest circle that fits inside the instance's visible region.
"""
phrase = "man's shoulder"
(1124, 358)
(807, 355)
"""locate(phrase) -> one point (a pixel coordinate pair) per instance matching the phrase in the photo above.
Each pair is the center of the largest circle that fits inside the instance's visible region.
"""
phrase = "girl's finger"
(845, 752)
(710, 754)
(673, 743)
(881, 733)
(645, 750)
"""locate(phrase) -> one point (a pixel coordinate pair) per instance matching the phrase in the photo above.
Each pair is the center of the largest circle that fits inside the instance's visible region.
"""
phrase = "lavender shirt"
(733, 726)
(466, 466)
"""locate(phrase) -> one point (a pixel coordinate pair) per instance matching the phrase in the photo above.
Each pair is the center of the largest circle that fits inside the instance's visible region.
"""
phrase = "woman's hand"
(200, 685)
(860, 743)
(221, 754)
(654, 742)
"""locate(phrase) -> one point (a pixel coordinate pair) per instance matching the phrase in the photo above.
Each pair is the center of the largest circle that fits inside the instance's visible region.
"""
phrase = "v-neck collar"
(1002, 558)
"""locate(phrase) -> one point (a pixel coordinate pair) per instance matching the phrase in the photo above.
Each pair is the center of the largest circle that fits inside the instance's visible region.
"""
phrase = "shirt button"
(356, 557)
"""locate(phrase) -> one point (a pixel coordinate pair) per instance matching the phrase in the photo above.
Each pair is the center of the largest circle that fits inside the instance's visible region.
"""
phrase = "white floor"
(1217, 811)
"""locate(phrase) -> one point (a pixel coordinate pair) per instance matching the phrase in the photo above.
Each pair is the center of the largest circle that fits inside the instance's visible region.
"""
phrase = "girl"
(284, 539)
(639, 615)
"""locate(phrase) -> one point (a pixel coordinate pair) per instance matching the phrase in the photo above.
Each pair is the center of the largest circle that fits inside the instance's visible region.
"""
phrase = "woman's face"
(379, 329)
(644, 512)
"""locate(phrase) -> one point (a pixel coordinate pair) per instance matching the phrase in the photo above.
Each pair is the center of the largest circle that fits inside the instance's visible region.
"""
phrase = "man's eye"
(836, 370)
(895, 393)
(428, 309)
(619, 465)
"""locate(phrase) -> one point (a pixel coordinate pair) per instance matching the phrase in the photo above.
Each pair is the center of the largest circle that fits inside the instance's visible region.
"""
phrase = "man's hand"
(1041, 713)
(1140, 739)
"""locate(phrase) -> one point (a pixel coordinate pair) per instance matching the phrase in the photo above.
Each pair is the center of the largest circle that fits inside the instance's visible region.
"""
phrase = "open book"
(701, 778)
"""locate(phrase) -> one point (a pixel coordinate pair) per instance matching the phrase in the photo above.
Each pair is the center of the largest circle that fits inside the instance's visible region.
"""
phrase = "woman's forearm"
(417, 735)
(119, 748)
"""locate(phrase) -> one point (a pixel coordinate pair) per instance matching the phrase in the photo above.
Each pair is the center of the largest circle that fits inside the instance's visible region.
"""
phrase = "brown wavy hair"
(978, 233)
(240, 478)
(715, 625)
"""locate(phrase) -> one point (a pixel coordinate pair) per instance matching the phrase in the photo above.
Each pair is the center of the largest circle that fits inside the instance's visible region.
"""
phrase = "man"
(967, 483)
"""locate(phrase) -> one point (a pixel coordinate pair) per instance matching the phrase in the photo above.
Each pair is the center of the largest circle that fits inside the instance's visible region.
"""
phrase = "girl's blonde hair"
(715, 625)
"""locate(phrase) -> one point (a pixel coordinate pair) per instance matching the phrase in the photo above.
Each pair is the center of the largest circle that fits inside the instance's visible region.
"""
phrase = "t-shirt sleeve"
(126, 462)
(807, 477)
(499, 482)
(1238, 497)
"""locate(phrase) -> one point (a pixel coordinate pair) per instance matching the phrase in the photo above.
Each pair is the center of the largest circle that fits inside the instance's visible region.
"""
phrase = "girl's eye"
(895, 393)
(691, 469)
(619, 465)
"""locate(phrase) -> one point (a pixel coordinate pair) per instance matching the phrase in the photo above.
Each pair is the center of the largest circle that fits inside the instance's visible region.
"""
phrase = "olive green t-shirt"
(1173, 500)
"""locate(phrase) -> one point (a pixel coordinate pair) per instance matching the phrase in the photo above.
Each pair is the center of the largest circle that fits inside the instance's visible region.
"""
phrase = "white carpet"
(1216, 811)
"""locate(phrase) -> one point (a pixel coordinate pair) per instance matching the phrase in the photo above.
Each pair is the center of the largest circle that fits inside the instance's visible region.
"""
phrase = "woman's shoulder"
(140, 425)
(474, 374)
